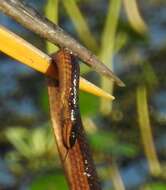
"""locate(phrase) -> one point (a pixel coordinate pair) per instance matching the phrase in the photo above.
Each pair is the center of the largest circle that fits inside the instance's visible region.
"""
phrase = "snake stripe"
(68, 71)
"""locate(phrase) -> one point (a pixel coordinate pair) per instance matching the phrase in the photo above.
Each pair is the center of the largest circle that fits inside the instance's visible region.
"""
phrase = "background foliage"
(127, 136)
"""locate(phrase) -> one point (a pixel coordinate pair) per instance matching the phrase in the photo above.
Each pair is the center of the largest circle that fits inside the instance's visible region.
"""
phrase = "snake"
(68, 73)
(67, 124)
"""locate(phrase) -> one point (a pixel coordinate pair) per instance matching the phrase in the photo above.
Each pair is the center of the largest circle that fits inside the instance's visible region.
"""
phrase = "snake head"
(69, 132)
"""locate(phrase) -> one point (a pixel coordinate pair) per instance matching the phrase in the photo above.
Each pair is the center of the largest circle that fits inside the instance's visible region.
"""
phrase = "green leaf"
(89, 104)
(126, 150)
(43, 99)
(19, 138)
(156, 186)
(108, 142)
(49, 182)
(103, 141)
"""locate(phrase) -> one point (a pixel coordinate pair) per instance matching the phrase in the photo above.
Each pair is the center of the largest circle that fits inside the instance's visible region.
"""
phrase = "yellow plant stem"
(116, 177)
(21, 50)
(107, 49)
(134, 16)
(80, 24)
(146, 132)
(51, 12)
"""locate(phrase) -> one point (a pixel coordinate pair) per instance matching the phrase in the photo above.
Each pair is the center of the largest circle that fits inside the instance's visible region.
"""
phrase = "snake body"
(67, 125)
(68, 73)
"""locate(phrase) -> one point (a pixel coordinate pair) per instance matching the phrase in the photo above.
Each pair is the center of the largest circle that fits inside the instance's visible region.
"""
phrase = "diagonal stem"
(29, 18)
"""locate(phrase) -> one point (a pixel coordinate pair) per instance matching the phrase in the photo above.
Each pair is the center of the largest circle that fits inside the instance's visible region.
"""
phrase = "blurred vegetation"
(122, 134)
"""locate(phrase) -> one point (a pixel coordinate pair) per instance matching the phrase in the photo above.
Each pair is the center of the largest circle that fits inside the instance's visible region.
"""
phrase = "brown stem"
(77, 161)
(29, 18)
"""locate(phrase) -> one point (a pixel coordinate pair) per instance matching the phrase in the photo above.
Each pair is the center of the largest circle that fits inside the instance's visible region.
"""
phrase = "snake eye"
(73, 138)
(74, 133)
(69, 132)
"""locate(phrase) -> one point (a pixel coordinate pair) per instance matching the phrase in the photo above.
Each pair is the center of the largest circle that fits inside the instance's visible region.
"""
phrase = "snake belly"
(68, 74)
